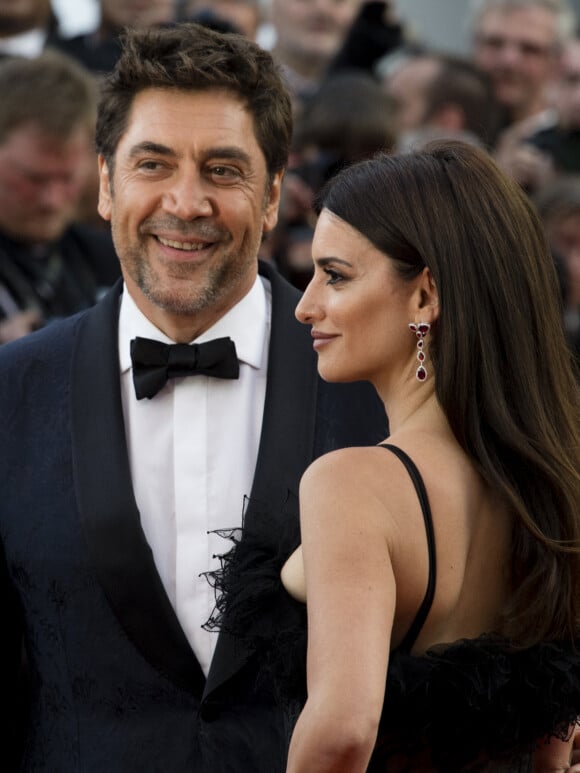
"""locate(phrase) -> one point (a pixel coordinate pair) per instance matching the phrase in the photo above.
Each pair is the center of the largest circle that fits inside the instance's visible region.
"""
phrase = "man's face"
(518, 49)
(313, 29)
(408, 86)
(188, 200)
(137, 13)
(567, 92)
(41, 182)
(21, 15)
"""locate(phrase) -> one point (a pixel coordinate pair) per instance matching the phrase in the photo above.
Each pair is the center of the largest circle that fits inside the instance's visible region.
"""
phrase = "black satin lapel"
(288, 428)
(287, 440)
(117, 545)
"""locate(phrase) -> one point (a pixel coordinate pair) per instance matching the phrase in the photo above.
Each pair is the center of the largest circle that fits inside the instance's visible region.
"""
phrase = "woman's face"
(358, 307)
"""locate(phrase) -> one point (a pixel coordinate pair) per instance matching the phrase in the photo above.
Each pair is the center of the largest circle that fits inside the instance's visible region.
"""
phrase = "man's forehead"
(519, 21)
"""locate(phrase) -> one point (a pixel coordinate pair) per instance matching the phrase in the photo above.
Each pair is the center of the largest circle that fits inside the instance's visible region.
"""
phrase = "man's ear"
(104, 203)
(273, 202)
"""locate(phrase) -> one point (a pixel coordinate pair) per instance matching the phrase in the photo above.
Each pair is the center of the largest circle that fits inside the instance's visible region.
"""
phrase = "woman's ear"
(426, 298)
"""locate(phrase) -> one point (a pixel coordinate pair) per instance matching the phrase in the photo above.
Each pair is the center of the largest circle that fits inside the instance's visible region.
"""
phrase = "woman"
(433, 282)
(440, 570)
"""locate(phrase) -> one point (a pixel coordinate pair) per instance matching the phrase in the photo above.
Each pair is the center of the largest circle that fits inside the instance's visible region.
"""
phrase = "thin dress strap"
(417, 624)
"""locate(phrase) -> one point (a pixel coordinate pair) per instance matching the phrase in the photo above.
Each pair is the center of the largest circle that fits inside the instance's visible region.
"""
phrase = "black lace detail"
(473, 705)
(253, 606)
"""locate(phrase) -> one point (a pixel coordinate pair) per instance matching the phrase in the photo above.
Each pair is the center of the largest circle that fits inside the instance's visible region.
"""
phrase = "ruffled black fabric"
(253, 606)
(478, 700)
(473, 705)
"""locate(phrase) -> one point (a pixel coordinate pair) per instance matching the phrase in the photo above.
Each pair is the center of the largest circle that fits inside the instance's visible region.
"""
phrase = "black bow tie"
(154, 362)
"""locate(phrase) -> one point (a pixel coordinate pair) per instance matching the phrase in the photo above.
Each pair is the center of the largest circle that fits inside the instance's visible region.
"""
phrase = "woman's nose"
(308, 309)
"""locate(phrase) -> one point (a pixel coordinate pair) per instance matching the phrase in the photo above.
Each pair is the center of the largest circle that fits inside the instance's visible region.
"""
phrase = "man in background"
(308, 36)
(518, 44)
(26, 27)
(99, 49)
(50, 265)
(244, 16)
(441, 96)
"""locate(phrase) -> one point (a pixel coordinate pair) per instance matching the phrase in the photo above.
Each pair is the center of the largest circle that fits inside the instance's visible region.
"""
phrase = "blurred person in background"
(442, 96)
(406, 77)
(244, 16)
(376, 32)
(308, 35)
(518, 43)
(558, 204)
(330, 133)
(561, 142)
(26, 27)
(99, 50)
(50, 265)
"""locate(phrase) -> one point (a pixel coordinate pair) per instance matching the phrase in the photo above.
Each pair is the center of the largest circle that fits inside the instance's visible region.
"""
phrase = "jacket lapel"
(288, 428)
(117, 546)
(287, 440)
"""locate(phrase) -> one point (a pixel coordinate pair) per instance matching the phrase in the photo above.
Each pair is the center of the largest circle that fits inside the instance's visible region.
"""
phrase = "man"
(518, 43)
(308, 35)
(561, 142)
(50, 265)
(114, 480)
(438, 95)
(99, 50)
(26, 27)
(407, 81)
(244, 16)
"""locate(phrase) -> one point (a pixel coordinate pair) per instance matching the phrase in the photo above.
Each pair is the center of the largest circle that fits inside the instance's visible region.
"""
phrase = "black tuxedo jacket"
(113, 683)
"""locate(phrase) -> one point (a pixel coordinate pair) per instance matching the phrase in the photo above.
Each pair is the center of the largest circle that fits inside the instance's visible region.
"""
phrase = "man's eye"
(149, 166)
(225, 172)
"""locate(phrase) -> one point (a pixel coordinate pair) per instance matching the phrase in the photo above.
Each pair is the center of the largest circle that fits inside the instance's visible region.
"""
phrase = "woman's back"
(472, 532)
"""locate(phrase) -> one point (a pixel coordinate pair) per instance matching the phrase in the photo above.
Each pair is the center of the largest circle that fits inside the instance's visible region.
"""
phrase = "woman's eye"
(333, 276)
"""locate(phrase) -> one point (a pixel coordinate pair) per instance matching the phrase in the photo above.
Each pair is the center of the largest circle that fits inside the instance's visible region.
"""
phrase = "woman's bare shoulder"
(346, 467)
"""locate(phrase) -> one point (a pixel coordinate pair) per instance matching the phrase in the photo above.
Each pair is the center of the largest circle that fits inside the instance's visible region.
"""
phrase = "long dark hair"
(503, 372)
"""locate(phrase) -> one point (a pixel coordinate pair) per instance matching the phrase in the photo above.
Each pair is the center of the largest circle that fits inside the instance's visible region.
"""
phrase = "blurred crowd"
(360, 82)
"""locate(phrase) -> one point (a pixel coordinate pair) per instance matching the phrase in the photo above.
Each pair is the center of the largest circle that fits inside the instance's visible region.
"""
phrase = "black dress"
(471, 705)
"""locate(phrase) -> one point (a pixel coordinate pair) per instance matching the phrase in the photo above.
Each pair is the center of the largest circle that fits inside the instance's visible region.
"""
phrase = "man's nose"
(188, 198)
(58, 193)
(510, 52)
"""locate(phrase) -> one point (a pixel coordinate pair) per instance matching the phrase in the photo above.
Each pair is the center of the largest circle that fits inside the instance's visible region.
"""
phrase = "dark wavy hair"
(192, 57)
(503, 372)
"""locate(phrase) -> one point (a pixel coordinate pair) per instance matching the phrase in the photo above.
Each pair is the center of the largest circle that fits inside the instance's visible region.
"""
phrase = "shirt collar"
(28, 44)
(247, 324)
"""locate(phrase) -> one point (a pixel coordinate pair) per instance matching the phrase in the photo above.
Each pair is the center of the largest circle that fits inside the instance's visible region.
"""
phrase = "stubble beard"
(185, 290)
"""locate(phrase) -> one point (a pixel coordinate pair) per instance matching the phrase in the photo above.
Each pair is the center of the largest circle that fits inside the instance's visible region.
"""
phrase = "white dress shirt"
(193, 450)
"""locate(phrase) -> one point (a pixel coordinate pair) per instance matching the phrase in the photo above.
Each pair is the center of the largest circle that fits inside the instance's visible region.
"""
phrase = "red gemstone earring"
(420, 329)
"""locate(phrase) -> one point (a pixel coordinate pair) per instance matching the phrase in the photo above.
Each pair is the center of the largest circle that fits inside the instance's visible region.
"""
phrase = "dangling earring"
(420, 329)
